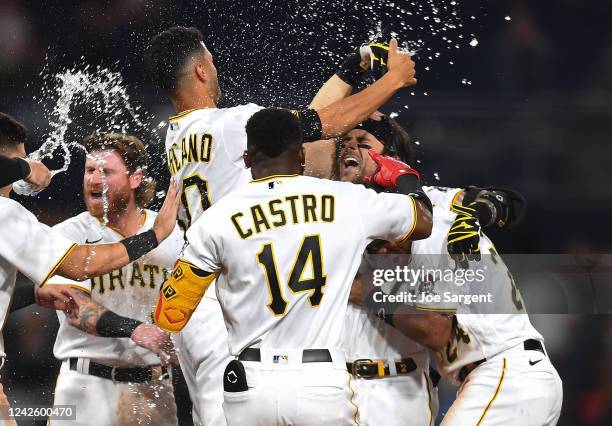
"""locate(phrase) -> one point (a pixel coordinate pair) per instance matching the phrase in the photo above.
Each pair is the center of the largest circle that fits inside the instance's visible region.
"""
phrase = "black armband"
(112, 325)
(383, 310)
(140, 244)
(500, 207)
(409, 184)
(23, 295)
(312, 128)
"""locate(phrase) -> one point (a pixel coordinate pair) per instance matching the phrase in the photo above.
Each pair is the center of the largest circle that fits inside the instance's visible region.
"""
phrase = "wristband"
(409, 184)
(383, 310)
(140, 244)
(25, 167)
(112, 325)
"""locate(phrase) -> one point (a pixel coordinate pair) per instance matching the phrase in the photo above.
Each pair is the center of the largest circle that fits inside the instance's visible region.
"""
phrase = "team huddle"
(251, 276)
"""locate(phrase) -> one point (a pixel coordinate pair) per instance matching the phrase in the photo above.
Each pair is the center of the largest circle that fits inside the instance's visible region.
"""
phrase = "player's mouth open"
(350, 162)
(95, 195)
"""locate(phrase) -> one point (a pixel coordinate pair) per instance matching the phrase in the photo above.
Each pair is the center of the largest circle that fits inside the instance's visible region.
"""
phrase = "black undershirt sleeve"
(12, 170)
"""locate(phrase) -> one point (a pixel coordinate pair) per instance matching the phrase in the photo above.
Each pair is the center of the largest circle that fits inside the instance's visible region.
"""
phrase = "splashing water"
(100, 90)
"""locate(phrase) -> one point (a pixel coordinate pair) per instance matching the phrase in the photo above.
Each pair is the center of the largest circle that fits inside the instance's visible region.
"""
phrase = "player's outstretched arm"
(430, 329)
(341, 116)
(94, 318)
(91, 260)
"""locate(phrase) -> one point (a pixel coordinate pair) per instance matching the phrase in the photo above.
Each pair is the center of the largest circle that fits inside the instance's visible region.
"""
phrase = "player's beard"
(118, 200)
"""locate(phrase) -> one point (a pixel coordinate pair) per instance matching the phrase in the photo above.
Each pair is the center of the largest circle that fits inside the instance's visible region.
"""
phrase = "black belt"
(369, 369)
(123, 374)
(528, 345)
(308, 355)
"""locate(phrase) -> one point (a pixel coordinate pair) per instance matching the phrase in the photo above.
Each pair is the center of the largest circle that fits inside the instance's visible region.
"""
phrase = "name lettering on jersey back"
(193, 149)
(290, 210)
(135, 274)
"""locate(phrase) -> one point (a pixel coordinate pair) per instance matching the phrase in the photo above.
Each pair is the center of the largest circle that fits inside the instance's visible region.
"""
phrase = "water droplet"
(474, 42)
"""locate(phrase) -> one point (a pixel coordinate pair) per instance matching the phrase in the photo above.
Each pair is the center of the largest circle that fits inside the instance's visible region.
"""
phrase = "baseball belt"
(308, 355)
(528, 345)
(372, 368)
(124, 374)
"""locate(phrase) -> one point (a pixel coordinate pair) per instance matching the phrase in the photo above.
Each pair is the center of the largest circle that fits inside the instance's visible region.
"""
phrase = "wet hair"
(272, 131)
(134, 156)
(12, 133)
(167, 53)
(394, 138)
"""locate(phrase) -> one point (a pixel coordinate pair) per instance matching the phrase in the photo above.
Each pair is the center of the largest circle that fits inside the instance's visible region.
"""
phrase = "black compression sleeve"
(112, 325)
(140, 244)
(12, 170)
(409, 184)
(23, 295)
(311, 124)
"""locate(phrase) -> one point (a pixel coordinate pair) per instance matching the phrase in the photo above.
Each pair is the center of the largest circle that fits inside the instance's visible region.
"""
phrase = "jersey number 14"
(308, 257)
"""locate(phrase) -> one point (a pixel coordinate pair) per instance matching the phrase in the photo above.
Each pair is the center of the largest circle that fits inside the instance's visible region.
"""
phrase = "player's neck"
(263, 171)
(188, 102)
(6, 191)
(127, 221)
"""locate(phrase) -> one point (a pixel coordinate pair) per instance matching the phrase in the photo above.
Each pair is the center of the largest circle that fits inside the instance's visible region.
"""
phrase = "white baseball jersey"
(204, 150)
(28, 246)
(130, 292)
(478, 334)
(287, 249)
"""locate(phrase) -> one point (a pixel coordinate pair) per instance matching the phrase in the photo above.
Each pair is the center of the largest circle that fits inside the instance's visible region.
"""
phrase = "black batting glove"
(352, 69)
(464, 236)
(378, 54)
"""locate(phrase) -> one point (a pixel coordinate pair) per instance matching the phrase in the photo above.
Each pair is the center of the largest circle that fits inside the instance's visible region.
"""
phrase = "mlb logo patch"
(174, 126)
(280, 359)
(274, 184)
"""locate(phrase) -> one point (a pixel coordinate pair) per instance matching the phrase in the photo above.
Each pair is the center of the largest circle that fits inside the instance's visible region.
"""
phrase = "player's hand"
(376, 55)
(39, 177)
(401, 65)
(149, 336)
(388, 170)
(166, 218)
(464, 236)
(58, 297)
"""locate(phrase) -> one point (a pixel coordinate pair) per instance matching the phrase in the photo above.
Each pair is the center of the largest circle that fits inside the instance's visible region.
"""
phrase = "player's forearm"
(343, 115)
(96, 319)
(431, 330)
(333, 90)
(91, 260)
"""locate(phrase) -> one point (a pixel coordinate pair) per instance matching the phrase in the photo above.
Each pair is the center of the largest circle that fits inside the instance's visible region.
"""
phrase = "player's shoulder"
(442, 197)
(12, 212)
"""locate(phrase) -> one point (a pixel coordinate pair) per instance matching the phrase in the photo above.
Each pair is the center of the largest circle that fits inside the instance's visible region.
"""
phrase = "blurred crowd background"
(533, 113)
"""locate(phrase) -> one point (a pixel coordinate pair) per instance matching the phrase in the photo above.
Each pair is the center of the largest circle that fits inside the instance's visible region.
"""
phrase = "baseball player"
(39, 252)
(106, 348)
(285, 275)
(497, 358)
(370, 343)
(204, 147)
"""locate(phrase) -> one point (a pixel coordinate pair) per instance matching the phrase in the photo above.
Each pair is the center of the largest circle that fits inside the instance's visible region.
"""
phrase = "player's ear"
(136, 179)
(200, 72)
(247, 159)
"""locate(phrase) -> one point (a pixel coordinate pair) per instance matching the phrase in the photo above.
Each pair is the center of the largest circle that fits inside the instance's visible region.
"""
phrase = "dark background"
(533, 114)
